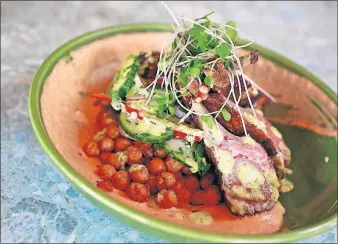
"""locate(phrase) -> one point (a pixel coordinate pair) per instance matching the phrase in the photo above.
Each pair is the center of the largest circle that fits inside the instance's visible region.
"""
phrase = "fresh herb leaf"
(223, 50)
(196, 32)
(203, 166)
(232, 33)
(182, 77)
(194, 72)
(208, 121)
(208, 81)
(159, 100)
(213, 42)
(171, 110)
(226, 115)
(226, 63)
(174, 45)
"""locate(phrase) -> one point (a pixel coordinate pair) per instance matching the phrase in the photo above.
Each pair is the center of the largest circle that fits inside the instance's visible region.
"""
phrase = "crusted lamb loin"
(259, 129)
(246, 174)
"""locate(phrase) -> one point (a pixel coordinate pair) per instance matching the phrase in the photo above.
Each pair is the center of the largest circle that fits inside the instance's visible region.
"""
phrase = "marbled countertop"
(37, 203)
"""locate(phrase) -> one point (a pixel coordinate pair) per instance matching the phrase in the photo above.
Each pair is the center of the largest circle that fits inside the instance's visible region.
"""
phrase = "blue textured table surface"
(37, 203)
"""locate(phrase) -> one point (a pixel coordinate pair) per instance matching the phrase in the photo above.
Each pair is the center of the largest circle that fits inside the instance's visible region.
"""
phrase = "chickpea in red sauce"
(157, 166)
(138, 192)
(141, 170)
(106, 144)
(172, 165)
(166, 180)
(121, 180)
(92, 149)
(106, 172)
(122, 144)
(166, 199)
(134, 155)
(139, 173)
(112, 131)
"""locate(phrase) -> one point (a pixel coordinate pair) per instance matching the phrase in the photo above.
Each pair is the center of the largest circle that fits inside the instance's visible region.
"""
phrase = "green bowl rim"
(102, 199)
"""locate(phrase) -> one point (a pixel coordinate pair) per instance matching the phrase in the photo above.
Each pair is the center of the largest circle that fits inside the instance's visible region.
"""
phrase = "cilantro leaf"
(203, 166)
(171, 110)
(174, 45)
(194, 72)
(208, 81)
(182, 77)
(226, 63)
(226, 115)
(208, 121)
(223, 50)
(232, 33)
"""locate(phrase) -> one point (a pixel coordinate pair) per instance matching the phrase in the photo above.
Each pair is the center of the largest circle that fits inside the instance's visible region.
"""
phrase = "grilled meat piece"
(259, 129)
(148, 64)
(246, 174)
(221, 81)
(246, 60)
(254, 95)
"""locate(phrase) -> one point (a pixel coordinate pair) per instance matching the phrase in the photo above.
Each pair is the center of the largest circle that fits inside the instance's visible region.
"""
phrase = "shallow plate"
(303, 101)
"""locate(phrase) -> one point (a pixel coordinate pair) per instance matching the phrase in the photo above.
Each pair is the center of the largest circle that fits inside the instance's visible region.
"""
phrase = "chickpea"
(105, 185)
(92, 149)
(183, 195)
(106, 144)
(166, 199)
(139, 173)
(138, 192)
(118, 160)
(147, 150)
(156, 166)
(160, 152)
(122, 144)
(138, 144)
(186, 170)
(197, 198)
(166, 180)
(104, 119)
(178, 175)
(172, 165)
(212, 196)
(134, 155)
(152, 182)
(112, 131)
(191, 183)
(207, 180)
(121, 180)
(105, 157)
(106, 171)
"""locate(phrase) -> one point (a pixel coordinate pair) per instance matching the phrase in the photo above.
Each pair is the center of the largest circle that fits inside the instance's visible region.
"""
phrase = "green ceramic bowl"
(311, 208)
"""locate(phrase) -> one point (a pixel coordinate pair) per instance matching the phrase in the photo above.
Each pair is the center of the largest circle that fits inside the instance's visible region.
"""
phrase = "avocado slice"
(123, 80)
(150, 129)
(158, 105)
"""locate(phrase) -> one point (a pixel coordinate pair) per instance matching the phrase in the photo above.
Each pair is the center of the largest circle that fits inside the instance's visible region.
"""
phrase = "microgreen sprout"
(195, 44)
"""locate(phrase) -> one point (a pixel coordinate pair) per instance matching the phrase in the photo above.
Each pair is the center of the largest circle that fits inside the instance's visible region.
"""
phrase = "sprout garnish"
(193, 45)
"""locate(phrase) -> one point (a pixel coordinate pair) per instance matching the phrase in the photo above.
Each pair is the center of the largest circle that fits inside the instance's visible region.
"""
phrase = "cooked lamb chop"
(246, 174)
(259, 129)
